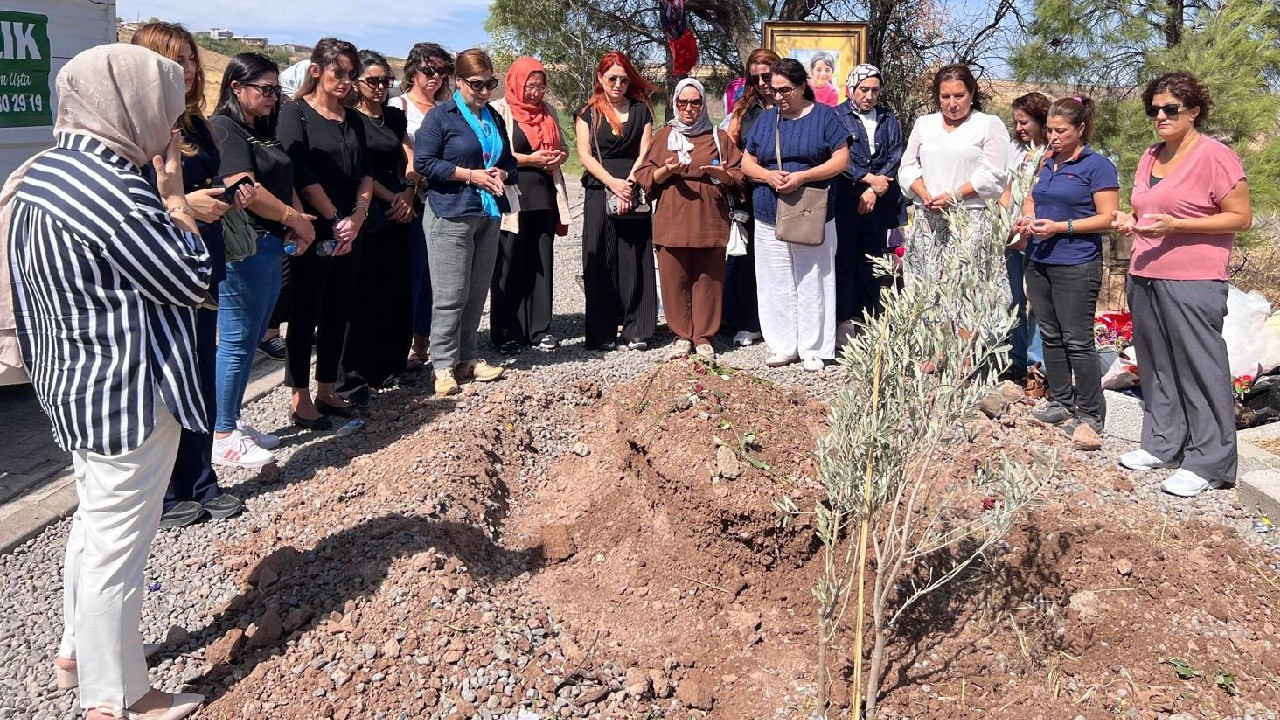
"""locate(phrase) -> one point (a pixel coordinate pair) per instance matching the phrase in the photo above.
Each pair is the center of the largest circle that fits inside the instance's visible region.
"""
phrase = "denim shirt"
(444, 143)
(890, 210)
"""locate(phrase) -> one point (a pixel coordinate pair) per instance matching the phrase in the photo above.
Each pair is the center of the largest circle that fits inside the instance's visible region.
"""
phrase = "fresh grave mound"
(665, 550)
(1099, 607)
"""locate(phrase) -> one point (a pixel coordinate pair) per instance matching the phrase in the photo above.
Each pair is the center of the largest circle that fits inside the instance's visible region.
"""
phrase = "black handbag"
(639, 200)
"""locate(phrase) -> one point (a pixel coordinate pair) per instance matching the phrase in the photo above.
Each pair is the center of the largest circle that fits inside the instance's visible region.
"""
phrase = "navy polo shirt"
(1064, 191)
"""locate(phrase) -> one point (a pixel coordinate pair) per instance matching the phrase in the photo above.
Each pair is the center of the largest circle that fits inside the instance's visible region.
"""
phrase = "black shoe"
(342, 412)
(1053, 413)
(224, 506)
(510, 347)
(183, 514)
(360, 394)
(320, 424)
(1013, 374)
(607, 346)
(273, 348)
(548, 342)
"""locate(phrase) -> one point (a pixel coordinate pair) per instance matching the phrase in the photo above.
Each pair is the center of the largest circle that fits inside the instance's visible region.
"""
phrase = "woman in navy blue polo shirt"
(1070, 207)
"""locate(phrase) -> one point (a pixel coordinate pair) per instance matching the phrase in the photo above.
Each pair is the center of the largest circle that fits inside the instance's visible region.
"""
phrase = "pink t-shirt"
(1193, 190)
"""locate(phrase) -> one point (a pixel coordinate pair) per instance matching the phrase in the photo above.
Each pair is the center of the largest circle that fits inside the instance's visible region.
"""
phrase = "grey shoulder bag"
(802, 214)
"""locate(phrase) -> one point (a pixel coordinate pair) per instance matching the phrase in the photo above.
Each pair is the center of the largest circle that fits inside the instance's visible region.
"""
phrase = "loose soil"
(590, 552)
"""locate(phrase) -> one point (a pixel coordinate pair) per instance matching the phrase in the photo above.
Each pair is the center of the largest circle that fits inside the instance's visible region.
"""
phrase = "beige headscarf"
(125, 96)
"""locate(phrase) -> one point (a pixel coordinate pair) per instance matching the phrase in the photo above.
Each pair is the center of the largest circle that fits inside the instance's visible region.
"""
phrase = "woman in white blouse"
(956, 156)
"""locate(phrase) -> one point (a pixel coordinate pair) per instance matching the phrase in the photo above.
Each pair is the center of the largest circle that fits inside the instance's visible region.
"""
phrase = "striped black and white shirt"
(105, 289)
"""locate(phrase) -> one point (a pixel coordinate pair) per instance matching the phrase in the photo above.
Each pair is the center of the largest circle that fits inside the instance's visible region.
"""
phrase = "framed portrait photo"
(827, 50)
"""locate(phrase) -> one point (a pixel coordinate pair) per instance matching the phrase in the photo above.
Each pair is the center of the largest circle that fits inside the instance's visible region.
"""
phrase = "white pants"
(121, 499)
(796, 287)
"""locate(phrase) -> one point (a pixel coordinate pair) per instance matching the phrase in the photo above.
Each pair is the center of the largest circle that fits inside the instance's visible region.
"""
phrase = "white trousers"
(796, 288)
(121, 499)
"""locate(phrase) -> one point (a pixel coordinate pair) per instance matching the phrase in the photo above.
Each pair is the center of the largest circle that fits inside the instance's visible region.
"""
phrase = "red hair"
(638, 89)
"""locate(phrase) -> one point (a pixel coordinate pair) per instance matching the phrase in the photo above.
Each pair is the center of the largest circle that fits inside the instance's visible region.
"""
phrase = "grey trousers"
(460, 254)
(1186, 383)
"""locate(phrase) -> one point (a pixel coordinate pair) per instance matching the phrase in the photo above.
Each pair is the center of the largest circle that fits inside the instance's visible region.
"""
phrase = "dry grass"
(1256, 266)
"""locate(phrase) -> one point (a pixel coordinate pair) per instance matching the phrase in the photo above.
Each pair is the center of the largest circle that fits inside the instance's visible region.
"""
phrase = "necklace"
(378, 121)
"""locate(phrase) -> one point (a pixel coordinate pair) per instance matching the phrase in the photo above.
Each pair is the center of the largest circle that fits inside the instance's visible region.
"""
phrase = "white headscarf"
(678, 140)
(125, 96)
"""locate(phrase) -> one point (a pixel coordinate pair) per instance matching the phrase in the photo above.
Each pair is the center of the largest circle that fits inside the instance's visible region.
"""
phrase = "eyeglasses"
(481, 85)
(784, 90)
(1170, 111)
(378, 82)
(618, 80)
(761, 79)
(535, 89)
(689, 103)
(268, 91)
(429, 71)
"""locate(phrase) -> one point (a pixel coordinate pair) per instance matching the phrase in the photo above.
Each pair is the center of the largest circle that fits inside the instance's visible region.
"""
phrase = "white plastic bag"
(1121, 375)
(737, 240)
(1253, 346)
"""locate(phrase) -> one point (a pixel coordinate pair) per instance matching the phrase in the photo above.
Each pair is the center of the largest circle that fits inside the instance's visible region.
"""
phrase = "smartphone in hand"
(229, 196)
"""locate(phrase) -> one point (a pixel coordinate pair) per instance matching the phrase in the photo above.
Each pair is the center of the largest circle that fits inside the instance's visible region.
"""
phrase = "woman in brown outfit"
(689, 170)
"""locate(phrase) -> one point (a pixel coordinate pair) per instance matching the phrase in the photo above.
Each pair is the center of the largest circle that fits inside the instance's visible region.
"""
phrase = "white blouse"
(977, 152)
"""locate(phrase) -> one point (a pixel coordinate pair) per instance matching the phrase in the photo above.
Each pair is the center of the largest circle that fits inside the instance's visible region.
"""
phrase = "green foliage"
(1181, 667)
(230, 48)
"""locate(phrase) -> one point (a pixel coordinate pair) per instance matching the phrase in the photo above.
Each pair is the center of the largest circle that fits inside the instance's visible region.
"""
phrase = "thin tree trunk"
(824, 639)
(873, 679)
(1174, 12)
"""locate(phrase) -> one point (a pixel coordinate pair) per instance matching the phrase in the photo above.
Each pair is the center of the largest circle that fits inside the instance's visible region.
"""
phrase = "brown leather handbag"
(802, 214)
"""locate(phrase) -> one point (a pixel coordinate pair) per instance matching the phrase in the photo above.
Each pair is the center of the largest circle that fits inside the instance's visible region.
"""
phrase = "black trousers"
(857, 287)
(520, 297)
(381, 307)
(1066, 298)
(193, 477)
(741, 305)
(617, 274)
(320, 304)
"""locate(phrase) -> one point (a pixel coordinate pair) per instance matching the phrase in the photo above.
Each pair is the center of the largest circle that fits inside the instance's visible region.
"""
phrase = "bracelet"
(288, 213)
(181, 210)
(1071, 230)
(469, 177)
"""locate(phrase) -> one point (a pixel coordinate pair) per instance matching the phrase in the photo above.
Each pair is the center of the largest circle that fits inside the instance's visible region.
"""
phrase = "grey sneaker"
(184, 514)
(1052, 412)
(224, 506)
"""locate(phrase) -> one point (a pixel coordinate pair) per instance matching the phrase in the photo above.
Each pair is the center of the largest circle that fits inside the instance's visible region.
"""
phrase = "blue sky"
(390, 28)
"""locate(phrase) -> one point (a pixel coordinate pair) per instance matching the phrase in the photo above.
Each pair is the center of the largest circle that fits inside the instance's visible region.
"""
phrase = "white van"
(37, 37)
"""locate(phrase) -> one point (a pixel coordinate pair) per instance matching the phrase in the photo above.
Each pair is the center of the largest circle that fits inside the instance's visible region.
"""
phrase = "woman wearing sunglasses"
(193, 492)
(424, 86)
(741, 313)
(381, 313)
(520, 302)
(797, 286)
(463, 152)
(244, 124)
(690, 169)
(613, 131)
(333, 175)
(1190, 198)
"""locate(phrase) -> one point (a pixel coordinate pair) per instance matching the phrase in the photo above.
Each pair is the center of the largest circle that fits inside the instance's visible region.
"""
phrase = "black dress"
(520, 298)
(381, 309)
(741, 307)
(617, 252)
(333, 155)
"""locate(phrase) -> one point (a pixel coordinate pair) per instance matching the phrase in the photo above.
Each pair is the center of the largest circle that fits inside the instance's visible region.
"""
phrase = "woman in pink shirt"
(1190, 198)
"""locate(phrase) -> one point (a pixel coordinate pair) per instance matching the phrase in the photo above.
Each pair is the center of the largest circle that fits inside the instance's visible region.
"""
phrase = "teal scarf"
(486, 131)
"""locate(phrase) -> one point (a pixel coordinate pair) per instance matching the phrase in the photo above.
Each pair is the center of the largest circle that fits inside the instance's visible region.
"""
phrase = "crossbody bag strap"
(777, 140)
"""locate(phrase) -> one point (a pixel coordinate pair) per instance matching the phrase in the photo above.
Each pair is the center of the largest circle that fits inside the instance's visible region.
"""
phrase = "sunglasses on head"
(268, 91)
(378, 82)
(762, 78)
(1170, 111)
(481, 85)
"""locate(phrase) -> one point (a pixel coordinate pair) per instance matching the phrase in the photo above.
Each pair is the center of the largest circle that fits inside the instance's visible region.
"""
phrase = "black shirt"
(537, 191)
(331, 154)
(243, 150)
(384, 139)
(618, 153)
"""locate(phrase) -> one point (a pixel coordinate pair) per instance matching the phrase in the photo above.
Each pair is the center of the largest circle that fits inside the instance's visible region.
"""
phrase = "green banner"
(24, 70)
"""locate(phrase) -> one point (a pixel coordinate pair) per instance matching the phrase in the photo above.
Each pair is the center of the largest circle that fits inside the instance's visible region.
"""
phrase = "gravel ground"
(191, 584)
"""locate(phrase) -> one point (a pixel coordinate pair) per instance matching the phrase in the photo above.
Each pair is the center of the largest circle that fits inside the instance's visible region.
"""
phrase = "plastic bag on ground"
(1253, 346)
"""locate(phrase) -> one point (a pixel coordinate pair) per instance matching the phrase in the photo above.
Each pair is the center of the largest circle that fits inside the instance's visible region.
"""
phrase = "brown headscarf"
(126, 97)
(534, 118)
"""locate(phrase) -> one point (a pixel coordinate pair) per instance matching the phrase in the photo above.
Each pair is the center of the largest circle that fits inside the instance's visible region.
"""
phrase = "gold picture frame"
(817, 45)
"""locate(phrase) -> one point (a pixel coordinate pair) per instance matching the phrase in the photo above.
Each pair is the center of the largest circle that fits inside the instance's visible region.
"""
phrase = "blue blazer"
(890, 210)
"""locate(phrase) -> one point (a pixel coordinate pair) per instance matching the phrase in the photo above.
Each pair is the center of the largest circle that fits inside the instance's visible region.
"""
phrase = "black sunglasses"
(428, 71)
(761, 78)
(377, 82)
(1170, 111)
(481, 85)
(267, 91)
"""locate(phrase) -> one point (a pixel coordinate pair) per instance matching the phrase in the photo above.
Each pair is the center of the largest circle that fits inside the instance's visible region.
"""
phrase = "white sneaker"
(779, 359)
(814, 364)
(239, 450)
(744, 338)
(1187, 484)
(1142, 460)
(266, 441)
(680, 348)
